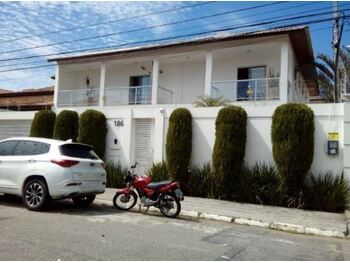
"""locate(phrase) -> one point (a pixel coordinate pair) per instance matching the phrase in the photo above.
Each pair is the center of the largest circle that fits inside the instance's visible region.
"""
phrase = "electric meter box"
(333, 143)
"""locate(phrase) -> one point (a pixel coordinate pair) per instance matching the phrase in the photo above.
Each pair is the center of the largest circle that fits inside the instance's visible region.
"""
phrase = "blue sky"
(18, 20)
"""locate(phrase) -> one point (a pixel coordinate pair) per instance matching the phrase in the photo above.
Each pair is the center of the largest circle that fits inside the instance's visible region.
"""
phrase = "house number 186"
(119, 123)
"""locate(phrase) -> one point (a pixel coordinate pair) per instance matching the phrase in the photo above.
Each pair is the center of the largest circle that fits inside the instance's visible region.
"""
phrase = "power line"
(218, 22)
(108, 22)
(290, 25)
(170, 38)
(141, 29)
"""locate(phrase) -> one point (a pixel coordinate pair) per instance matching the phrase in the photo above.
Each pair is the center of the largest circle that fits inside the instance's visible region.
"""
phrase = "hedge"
(179, 145)
(93, 130)
(66, 126)
(293, 144)
(43, 124)
(229, 147)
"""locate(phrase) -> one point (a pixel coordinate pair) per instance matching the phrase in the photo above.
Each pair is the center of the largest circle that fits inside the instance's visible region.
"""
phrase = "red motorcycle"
(165, 195)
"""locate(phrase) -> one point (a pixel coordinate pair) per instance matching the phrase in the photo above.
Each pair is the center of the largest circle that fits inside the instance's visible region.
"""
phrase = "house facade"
(138, 87)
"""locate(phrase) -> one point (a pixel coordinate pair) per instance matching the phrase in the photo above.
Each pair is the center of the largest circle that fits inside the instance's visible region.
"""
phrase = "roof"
(4, 91)
(182, 42)
(299, 36)
(30, 99)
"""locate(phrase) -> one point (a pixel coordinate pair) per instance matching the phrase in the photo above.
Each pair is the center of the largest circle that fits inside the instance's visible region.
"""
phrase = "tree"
(229, 147)
(43, 124)
(66, 126)
(326, 74)
(179, 145)
(93, 130)
(292, 137)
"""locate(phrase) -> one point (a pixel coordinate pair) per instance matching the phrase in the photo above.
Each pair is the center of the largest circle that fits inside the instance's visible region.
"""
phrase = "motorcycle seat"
(158, 185)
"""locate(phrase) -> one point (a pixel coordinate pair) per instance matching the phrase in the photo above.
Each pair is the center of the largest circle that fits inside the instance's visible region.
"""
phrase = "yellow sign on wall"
(333, 136)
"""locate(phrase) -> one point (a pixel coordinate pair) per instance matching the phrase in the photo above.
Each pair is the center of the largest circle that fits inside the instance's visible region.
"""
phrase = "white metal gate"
(14, 128)
(144, 152)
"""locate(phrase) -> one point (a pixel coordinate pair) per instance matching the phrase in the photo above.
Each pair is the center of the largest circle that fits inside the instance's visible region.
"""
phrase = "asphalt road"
(64, 232)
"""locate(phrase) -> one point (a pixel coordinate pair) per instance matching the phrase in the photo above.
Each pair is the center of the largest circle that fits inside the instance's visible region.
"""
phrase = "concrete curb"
(285, 227)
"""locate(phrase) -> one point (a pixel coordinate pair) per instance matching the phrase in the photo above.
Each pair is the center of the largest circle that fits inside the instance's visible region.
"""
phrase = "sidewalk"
(279, 218)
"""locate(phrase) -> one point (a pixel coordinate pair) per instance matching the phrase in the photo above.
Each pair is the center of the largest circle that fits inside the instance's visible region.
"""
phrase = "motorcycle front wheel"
(124, 201)
(169, 205)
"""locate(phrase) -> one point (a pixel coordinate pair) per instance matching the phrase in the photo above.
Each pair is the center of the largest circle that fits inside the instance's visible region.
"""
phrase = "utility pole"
(335, 47)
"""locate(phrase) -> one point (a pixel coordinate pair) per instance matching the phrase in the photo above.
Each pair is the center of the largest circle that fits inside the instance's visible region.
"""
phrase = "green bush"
(201, 182)
(93, 130)
(43, 124)
(293, 145)
(115, 175)
(179, 145)
(66, 126)
(326, 192)
(229, 147)
(159, 172)
(258, 184)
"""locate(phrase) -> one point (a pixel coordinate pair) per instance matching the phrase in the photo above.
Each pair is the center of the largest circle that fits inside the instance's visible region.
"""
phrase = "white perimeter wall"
(328, 118)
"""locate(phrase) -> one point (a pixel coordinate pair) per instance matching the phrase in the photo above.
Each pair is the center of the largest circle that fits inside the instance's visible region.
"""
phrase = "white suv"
(39, 169)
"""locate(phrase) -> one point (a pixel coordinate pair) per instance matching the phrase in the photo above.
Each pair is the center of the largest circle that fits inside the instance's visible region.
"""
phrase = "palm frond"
(327, 60)
(207, 101)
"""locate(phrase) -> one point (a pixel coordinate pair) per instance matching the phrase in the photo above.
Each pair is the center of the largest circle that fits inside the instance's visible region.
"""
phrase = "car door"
(25, 157)
(7, 166)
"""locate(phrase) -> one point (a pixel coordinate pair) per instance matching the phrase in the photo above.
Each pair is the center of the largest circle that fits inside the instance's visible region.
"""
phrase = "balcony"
(137, 95)
(77, 98)
(246, 90)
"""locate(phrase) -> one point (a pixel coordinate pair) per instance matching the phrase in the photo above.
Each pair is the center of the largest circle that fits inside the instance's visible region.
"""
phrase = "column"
(155, 76)
(56, 90)
(208, 72)
(102, 84)
(284, 72)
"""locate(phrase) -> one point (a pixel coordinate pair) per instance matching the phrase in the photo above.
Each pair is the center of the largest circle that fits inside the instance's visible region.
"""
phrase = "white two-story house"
(136, 86)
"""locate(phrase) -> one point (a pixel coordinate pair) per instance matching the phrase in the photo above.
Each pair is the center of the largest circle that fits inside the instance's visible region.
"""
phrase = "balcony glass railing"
(246, 90)
(128, 95)
(75, 98)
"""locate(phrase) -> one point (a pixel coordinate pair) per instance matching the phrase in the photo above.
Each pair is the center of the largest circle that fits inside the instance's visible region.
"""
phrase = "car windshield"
(78, 151)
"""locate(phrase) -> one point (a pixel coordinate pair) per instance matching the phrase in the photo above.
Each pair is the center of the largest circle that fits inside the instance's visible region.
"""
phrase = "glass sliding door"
(251, 83)
(140, 89)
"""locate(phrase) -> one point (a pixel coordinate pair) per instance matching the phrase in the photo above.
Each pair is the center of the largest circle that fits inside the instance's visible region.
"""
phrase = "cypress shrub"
(43, 124)
(229, 147)
(179, 145)
(293, 145)
(93, 130)
(66, 126)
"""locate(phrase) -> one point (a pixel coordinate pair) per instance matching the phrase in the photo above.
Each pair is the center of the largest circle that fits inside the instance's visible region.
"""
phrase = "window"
(78, 151)
(141, 94)
(7, 147)
(251, 83)
(31, 148)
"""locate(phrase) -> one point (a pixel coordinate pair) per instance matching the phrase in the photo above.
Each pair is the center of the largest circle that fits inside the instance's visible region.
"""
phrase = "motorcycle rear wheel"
(122, 201)
(169, 205)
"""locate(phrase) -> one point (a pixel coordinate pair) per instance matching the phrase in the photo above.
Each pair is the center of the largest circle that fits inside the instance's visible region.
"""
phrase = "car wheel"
(84, 200)
(35, 195)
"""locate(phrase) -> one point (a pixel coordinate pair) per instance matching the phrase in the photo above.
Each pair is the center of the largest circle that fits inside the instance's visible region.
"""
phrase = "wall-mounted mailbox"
(333, 143)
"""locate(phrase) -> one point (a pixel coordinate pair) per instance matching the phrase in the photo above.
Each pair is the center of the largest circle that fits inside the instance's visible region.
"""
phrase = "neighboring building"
(27, 100)
(138, 87)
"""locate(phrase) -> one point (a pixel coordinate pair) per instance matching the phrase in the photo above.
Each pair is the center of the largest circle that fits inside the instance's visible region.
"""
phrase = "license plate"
(179, 195)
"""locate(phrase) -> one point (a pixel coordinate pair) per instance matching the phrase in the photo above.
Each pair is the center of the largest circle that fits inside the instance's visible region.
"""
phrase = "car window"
(31, 148)
(7, 147)
(78, 151)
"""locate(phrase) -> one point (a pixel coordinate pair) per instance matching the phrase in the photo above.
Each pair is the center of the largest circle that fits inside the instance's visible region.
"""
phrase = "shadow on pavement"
(67, 207)
(62, 207)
